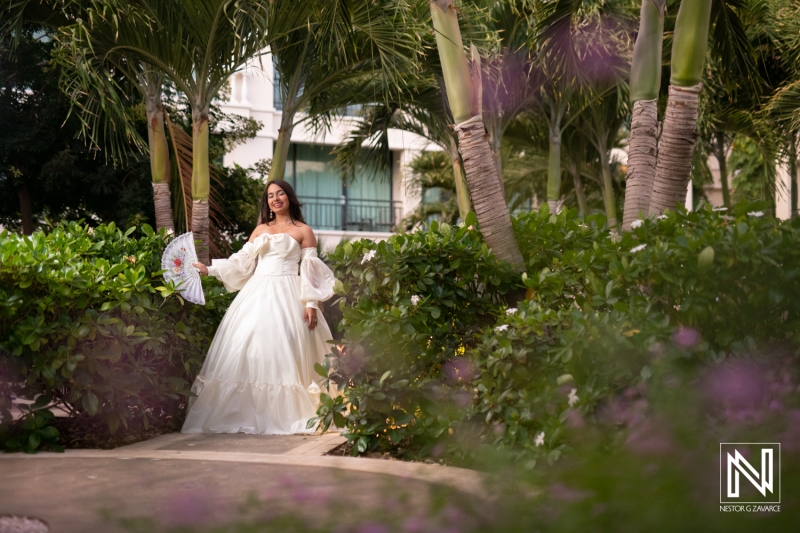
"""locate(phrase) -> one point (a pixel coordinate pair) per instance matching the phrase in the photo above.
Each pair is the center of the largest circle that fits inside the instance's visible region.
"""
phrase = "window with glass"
(365, 203)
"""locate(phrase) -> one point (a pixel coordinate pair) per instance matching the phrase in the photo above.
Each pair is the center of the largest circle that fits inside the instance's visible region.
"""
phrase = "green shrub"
(604, 315)
(87, 321)
(411, 304)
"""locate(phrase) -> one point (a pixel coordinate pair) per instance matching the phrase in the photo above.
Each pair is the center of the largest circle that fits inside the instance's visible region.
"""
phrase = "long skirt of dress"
(258, 376)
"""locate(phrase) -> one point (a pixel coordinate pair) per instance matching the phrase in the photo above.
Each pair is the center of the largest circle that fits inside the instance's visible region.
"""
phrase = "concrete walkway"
(203, 480)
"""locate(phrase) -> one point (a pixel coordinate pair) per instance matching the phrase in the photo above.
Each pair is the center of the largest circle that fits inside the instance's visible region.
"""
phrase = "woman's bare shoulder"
(261, 228)
(309, 239)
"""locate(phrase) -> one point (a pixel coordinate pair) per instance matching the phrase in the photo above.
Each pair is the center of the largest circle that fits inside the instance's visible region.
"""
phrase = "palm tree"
(645, 84)
(94, 66)
(601, 125)
(783, 108)
(464, 95)
(421, 109)
(320, 46)
(579, 51)
(199, 45)
(688, 59)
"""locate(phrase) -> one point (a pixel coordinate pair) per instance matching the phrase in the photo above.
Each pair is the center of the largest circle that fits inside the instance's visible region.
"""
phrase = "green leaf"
(706, 258)
(339, 420)
(34, 439)
(321, 370)
(90, 403)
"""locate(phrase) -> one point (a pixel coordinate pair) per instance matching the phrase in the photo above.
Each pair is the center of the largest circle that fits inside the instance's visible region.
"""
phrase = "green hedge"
(87, 322)
(604, 314)
(410, 303)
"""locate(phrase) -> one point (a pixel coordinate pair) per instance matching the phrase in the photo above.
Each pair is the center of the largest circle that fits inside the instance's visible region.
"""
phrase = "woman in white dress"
(258, 376)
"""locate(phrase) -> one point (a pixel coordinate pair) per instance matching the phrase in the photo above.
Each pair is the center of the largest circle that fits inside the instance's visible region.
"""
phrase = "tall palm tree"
(320, 46)
(645, 84)
(732, 47)
(464, 95)
(97, 80)
(601, 124)
(93, 62)
(199, 44)
(579, 48)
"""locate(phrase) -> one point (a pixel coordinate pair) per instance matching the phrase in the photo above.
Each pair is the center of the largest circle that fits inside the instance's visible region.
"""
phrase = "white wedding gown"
(258, 376)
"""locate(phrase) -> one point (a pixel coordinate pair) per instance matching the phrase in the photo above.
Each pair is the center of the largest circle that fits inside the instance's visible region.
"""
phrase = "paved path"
(176, 480)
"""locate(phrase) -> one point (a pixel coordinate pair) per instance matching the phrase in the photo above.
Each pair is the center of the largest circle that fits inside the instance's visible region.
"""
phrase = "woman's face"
(277, 200)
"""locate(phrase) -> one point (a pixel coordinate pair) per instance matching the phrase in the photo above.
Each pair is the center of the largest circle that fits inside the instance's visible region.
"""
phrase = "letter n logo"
(745, 479)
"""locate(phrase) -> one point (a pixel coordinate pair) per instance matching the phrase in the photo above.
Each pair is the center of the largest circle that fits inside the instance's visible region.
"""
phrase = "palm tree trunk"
(495, 138)
(793, 177)
(608, 197)
(583, 208)
(675, 149)
(676, 146)
(159, 163)
(462, 189)
(721, 154)
(645, 85)
(479, 165)
(608, 190)
(490, 205)
(200, 182)
(25, 209)
(281, 154)
(642, 156)
(554, 169)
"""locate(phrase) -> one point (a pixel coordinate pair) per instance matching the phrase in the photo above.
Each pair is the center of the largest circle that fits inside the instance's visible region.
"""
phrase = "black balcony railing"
(351, 214)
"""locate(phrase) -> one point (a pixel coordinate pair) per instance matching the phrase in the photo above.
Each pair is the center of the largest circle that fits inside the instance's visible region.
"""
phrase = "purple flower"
(686, 338)
(459, 369)
(650, 438)
(462, 399)
(739, 385)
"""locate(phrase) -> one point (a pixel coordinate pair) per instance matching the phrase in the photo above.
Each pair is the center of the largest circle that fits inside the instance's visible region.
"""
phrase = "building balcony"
(351, 214)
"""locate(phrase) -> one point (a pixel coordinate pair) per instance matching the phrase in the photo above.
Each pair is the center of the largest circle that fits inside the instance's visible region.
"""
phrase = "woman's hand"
(310, 317)
(201, 267)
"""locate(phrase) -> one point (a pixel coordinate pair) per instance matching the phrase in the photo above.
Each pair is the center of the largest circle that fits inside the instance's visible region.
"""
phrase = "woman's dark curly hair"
(267, 215)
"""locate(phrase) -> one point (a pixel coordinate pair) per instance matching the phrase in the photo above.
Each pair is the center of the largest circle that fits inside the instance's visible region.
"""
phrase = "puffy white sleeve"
(236, 270)
(316, 279)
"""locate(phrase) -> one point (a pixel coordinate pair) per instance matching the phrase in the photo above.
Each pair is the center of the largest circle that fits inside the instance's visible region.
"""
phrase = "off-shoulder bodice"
(277, 254)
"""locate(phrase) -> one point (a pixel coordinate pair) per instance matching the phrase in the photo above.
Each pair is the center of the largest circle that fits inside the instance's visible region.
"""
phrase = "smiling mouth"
(277, 205)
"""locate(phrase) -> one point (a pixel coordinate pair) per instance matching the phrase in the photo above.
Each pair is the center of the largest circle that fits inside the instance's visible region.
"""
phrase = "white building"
(369, 206)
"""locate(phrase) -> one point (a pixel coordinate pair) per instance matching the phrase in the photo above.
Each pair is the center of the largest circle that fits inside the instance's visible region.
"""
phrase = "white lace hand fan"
(176, 262)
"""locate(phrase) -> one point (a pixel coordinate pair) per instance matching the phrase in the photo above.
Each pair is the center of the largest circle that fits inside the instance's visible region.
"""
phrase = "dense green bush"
(688, 288)
(410, 304)
(88, 323)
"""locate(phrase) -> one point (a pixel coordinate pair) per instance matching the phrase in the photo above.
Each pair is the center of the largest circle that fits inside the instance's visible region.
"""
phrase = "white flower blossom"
(638, 248)
(637, 224)
(90, 231)
(511, 311)
(614, 236)
(368, 256)
(662, 217)
(170, 232)
(756, 214)
(539, 440)
(501, 328)
(721, 208)
(728, 218)
(573, 397)
(415, 299)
